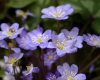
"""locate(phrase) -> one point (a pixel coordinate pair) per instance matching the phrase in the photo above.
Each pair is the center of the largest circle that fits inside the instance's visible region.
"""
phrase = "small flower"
(50, 58)
(24, 15)
(39, 38)
(30, 69)
(59, 13)
(61, 44)
(13, 57)
(8, 76)
(92, 40)
(25, 42)
(10, 32)
(3, 44)
(73, 35)
(70, 73)
(51, 76)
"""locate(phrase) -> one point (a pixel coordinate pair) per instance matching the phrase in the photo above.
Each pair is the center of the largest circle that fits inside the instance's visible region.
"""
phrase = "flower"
(25, 42)
(73, 35)
(39, 38)
(51, 76)
(10, 32)
(50, 57)
(30, 69)
(92, 40)
(8, 76)
(61, 44)
(13, 57)
(3, 44)
(24, 15)
(59, 13)
(69, 73)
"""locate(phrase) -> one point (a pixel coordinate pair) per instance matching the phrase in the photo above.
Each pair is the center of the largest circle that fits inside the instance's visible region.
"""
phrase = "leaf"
(96, 25)
(1, 73)
(19, 3)
(97, 14)
(88, 4)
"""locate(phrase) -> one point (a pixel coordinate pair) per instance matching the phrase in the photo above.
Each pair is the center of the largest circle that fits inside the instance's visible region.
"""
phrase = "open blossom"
(24, 41)
(61, 44)
(50, 57)
(70, 73)
(39, 38)
(14, 56)
(92, 40)
(24, 15)
(59, 13)
(30, 69)
(10, 32)
(73, 35)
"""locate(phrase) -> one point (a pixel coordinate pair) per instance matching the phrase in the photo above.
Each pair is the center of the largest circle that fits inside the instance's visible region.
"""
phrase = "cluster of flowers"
(57, 45)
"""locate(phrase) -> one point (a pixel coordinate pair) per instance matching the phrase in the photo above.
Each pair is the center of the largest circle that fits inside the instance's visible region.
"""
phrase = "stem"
(58, 26)
(92, 62)
(88, 57)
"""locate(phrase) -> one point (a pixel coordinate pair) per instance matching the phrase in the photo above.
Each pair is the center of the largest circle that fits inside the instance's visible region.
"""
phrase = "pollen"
(39, 40)
(69, 78)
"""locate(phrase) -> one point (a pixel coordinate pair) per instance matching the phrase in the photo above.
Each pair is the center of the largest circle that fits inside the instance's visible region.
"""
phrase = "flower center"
(60, 45)
(11, 61)
(11, 32)
(39, 40)
(70, 78)
(51, 57)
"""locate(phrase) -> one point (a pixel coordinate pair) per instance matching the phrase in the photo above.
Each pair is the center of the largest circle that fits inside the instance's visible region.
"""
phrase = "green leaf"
(96, 25)
(97, 14)
(19, 3)
(88, 4)
(1, 73)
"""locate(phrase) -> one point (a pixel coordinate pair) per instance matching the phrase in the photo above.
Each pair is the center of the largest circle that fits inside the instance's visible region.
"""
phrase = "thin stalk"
(88, 57)
(92, 62)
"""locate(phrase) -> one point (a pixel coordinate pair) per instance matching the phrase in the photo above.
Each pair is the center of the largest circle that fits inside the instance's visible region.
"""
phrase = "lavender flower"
(13, 57)
(50, 58)
(25, 42)
(51, 76)
(70, 73)
(92, 40)
(73, 35)
(30, 69)
(59, 13)
(24, 15)
(39, 38)
(61, 44)
(10, 32)
(3, 44)
(8, 76)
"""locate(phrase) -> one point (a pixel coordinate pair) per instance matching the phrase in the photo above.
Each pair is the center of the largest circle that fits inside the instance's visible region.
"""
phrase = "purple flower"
(73, 35)
(61, 44)
(30, 69)
(39, 38)
(13, 57)
(51, 76)
(10, 32)
(59, 13)
(70, 73)
(8, 76)
(50, 57)
(92, 40)
(3, 44)
(25, 42)
(24, 15)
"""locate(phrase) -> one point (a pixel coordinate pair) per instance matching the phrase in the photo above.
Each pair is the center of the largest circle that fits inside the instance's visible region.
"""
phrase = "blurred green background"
(86, 16)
